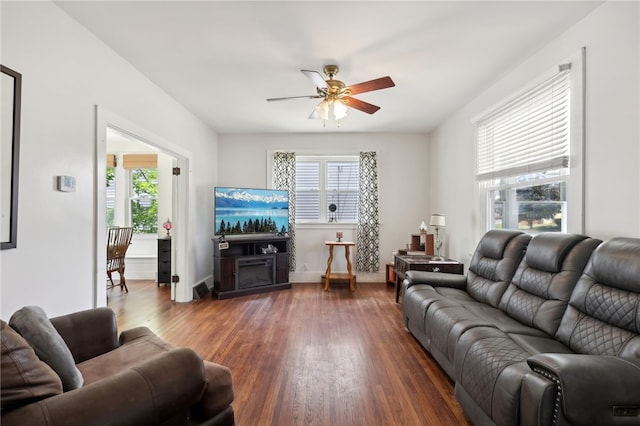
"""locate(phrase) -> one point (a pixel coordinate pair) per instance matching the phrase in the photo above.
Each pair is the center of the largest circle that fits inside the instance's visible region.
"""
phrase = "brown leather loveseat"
(75, 370)
(541, 331)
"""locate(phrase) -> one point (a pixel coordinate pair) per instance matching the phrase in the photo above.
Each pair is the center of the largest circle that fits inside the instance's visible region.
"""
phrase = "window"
(327, 189)
(144, 203)
(531, 203)
(111, 196)
(523, 152)
(132, 191)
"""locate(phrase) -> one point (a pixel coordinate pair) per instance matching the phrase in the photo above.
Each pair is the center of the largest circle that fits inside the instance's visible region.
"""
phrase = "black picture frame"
(10, 155)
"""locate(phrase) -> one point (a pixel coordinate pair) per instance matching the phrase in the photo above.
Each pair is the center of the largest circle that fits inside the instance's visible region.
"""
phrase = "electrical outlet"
(305, 267)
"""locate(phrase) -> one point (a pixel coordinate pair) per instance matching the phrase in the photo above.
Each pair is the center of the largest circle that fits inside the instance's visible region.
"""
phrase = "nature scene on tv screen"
(251, 211)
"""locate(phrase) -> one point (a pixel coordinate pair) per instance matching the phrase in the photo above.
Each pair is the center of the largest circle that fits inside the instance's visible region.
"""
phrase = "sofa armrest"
(590, 389)
(218, 394)
(435, 279)
(162, 388)
(88, 333)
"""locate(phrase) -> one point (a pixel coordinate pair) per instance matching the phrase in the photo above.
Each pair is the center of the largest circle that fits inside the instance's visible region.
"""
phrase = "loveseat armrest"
(435, 279)
(88, 333)
(162, 388)
(589, 389)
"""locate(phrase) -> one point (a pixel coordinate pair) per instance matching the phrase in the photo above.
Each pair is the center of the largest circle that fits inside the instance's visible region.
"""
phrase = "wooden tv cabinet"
(249, 266)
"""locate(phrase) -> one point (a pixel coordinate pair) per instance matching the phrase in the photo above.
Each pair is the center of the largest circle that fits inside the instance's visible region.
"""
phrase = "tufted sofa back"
(541, 287)
(493, 264)
(603, 316)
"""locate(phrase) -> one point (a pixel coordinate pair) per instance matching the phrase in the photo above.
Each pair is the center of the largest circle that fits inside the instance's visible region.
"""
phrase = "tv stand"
(251, 264)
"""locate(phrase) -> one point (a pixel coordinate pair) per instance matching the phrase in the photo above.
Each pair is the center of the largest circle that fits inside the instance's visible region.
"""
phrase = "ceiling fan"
(337, 96)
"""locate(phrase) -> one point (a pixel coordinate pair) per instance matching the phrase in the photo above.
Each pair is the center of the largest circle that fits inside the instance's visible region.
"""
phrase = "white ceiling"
(222, 59)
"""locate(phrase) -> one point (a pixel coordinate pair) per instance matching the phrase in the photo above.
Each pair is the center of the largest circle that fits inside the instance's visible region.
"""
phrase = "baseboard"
(314, 276)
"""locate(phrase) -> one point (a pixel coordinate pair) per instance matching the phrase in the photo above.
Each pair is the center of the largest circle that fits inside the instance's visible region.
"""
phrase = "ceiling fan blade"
(295, 97)
(360, 105)
(368, 86)
(316, 78)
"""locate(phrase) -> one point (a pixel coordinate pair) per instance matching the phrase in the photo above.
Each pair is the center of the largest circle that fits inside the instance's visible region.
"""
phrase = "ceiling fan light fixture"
(337, 96)
(322, 110)
(339, 110)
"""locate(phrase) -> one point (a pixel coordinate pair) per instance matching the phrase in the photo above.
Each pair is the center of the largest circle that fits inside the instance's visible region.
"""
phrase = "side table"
(390, 275)
(349, 275)
(404, 263)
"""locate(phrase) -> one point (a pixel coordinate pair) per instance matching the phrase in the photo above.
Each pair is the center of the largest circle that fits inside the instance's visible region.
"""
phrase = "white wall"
(66, 72)
(403, 177)
(612, 185)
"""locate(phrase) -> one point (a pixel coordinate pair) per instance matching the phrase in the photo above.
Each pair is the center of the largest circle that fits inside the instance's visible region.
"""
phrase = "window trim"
(129, 172)
(324, 191)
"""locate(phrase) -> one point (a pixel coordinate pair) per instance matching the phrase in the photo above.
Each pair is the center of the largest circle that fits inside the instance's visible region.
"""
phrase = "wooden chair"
(118, 241)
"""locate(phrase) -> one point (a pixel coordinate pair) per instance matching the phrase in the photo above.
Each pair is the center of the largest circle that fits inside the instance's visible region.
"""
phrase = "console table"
(349, 274)
(404, 263)
(248, 264)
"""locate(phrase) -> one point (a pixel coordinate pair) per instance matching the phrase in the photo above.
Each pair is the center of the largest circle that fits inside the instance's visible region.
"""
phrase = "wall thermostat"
(66, 183)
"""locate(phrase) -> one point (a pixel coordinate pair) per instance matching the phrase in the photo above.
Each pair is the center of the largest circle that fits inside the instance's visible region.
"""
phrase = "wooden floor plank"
(304, 356)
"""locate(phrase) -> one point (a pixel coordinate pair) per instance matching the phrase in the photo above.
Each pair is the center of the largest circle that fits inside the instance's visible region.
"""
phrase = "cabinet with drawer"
(404, 263)
(164, 261)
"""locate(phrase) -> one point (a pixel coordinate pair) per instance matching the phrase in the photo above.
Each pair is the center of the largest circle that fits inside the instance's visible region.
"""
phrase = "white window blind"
(342, 189)
(325, 182)
(528, 134)
(307, 191)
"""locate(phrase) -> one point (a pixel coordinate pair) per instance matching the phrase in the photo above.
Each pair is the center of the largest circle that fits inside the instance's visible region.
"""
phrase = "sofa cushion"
(418, 299)
(493, 264)
(139, 344)
(25, 378)
(32, 324)
(603, 316)
(494, 242)
(541, 287)
(617, 264)
(490, 366)
(447, 320)
(547, 251)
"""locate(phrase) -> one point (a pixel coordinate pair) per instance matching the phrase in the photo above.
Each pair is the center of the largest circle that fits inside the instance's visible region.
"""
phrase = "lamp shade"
(437, 220)
(339, 110)
(321, 111)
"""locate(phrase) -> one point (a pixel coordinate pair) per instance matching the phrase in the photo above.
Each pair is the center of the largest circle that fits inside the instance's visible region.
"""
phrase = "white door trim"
(181, 235)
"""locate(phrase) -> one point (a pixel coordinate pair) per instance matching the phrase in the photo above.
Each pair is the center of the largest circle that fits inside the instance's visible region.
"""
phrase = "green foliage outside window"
(111, 184)
(144, 203)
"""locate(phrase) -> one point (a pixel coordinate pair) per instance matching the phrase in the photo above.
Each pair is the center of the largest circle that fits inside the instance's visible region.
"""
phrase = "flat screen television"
(239, 211)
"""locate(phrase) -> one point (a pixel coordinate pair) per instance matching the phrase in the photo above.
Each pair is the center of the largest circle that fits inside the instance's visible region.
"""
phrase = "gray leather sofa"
(540, 331)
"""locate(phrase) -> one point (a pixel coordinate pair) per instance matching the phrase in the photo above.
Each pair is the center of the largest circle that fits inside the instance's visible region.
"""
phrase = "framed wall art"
(11, 97)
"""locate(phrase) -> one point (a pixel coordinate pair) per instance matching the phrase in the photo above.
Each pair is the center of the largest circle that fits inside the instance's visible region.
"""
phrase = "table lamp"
(438, 222)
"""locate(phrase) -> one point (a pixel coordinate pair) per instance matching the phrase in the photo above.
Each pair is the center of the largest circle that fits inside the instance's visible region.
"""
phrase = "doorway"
(120, 137)
(139, 195)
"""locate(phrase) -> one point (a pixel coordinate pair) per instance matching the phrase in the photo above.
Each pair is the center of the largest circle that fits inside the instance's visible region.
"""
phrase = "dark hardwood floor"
(304, 356)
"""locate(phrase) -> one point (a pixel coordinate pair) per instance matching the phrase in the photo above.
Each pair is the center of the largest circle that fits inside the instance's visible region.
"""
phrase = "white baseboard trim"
(315, 276)
(141, 268)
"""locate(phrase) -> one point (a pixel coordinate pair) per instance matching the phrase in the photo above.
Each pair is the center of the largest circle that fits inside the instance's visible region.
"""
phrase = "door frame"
(180, 208)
